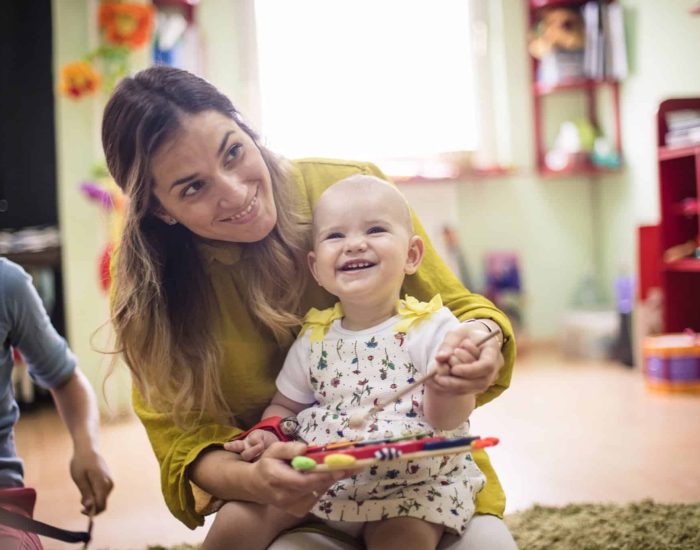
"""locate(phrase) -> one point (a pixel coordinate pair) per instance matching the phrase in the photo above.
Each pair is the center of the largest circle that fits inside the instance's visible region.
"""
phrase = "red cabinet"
(679, 225)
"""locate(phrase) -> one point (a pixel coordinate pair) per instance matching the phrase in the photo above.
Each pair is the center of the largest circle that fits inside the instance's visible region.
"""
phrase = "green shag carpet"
(644, 525)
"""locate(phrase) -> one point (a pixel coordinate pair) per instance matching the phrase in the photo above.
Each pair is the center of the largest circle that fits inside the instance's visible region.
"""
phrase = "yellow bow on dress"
(319, 321)
(413, 311)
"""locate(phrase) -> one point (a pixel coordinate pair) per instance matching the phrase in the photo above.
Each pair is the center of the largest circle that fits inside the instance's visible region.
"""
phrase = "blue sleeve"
(46, 353)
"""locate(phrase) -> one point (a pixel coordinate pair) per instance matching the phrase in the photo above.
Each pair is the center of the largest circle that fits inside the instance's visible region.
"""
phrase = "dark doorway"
(27, 143)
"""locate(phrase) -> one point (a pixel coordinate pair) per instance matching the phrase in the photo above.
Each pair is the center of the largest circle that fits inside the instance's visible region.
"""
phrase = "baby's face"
(363, 243)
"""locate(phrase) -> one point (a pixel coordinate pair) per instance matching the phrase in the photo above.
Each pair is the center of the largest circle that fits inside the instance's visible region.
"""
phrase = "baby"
(368, 347)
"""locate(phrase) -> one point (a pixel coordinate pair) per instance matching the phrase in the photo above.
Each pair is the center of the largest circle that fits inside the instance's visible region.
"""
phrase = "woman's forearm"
(224, 475)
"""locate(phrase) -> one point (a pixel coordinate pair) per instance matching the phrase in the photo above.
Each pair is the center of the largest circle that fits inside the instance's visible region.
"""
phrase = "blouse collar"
(224, 253)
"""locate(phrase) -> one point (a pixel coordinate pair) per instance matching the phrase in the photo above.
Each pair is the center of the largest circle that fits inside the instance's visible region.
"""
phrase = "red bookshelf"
(679, 190)
(587, 88)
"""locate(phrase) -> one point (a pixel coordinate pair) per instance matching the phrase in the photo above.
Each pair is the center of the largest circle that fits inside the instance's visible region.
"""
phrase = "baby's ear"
(416, 248)
(311, 260)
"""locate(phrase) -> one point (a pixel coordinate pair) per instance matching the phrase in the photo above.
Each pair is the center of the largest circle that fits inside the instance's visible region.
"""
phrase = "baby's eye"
(192, 188)
(335, 235)
(376, 229)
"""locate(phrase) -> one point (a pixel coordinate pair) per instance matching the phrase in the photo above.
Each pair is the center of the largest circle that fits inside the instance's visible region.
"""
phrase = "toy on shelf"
(355, 455)
(672, 362)
(557, 28)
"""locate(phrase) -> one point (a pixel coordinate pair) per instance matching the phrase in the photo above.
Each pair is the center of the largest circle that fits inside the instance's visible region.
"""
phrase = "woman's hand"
(472, 369)
(278, 484)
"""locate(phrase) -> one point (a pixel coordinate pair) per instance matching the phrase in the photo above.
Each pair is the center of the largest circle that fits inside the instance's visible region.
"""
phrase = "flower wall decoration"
(128, 25)
(124, 27)
(103, 190)
(78, 79)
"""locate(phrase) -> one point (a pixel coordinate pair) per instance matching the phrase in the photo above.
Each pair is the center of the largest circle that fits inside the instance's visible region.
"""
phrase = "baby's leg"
(247, 525)
(405, 533)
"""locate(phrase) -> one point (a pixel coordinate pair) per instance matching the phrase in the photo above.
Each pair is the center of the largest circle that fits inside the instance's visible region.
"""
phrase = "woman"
(210, 285)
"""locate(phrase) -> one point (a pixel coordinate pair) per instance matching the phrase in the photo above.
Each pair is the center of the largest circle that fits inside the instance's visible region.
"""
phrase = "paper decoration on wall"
(124, 27)
(105, 192)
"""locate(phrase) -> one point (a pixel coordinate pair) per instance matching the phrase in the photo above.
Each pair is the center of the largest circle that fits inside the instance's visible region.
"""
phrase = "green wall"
(561, 228)
(83, 225)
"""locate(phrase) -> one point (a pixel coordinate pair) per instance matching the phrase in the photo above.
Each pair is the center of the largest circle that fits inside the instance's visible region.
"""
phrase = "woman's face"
(211, 178)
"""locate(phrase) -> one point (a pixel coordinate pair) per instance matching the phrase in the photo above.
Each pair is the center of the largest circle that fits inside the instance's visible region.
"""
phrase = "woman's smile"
(247, 214)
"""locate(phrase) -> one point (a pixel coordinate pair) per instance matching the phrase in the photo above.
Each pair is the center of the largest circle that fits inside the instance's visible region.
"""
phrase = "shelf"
(685, 265)
(571, 85)
(669, 153)
(602, 109)
(580, 171)
(48, 257)
(538, 4)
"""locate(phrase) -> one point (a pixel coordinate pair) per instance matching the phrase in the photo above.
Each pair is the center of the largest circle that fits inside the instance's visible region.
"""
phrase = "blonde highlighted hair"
(162, 307)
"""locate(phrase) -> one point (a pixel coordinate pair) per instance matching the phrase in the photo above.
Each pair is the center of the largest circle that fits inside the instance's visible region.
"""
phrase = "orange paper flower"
(126, 24)
(78, 79)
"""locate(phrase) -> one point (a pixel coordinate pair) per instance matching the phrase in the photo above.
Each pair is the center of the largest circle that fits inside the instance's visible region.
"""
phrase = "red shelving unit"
(586, 87)
(679, 190)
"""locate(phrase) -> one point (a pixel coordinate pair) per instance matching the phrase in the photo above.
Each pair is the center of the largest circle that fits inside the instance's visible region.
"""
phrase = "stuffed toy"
(557, 28)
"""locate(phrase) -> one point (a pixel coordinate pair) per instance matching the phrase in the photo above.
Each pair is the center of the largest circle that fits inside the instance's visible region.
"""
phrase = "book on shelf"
(605, 54)
(683, 128)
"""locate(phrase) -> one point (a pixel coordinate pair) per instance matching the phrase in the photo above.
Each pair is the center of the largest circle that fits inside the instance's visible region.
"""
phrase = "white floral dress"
(341, 373)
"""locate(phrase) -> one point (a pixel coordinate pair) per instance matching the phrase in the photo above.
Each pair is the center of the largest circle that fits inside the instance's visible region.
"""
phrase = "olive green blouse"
(252, 357)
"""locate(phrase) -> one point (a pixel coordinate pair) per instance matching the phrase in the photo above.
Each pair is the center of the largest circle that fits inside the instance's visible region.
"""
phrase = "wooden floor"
(583, 431)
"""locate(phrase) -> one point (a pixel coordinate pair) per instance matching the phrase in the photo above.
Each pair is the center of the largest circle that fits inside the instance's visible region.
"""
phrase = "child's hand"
(91, 475)
(252, 446)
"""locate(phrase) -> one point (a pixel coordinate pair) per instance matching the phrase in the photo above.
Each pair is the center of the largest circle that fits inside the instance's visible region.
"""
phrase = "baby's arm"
(253, 445)
(444, 404)
(449, 399)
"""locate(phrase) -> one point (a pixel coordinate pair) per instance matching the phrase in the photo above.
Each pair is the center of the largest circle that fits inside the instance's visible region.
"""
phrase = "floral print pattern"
(349, 374)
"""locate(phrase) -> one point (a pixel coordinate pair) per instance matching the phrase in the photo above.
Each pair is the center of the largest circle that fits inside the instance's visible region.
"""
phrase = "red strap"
(271, 424)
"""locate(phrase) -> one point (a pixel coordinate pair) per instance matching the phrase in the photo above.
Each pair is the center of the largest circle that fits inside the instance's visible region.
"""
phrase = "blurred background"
(549, 147)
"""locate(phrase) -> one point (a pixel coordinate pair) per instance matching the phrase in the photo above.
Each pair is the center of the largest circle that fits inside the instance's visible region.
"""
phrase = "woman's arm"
(197, 456)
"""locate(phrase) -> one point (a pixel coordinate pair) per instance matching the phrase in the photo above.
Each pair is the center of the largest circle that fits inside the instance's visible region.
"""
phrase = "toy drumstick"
(358, 420)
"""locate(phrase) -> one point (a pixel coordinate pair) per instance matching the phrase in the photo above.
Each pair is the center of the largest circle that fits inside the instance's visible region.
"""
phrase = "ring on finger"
(315, 493)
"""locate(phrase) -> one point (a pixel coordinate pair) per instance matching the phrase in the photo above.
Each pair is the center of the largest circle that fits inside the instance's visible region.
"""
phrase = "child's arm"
(450, 396)
(444, 406)
(75, 402)
(257, 441)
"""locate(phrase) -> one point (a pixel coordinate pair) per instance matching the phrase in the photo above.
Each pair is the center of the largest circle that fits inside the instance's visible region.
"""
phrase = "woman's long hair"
(162, 306)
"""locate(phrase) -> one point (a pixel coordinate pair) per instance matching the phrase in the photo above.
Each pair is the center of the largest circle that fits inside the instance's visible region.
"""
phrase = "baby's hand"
(252, 446)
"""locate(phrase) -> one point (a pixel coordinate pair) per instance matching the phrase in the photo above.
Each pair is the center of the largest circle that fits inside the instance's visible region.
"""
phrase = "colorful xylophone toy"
(350, 455)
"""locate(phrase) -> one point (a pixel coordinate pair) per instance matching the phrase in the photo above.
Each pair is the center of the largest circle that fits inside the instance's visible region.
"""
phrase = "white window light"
(366, 79)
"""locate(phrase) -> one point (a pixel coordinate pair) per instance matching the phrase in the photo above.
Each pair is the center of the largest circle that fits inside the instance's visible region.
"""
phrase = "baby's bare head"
(363, 192)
